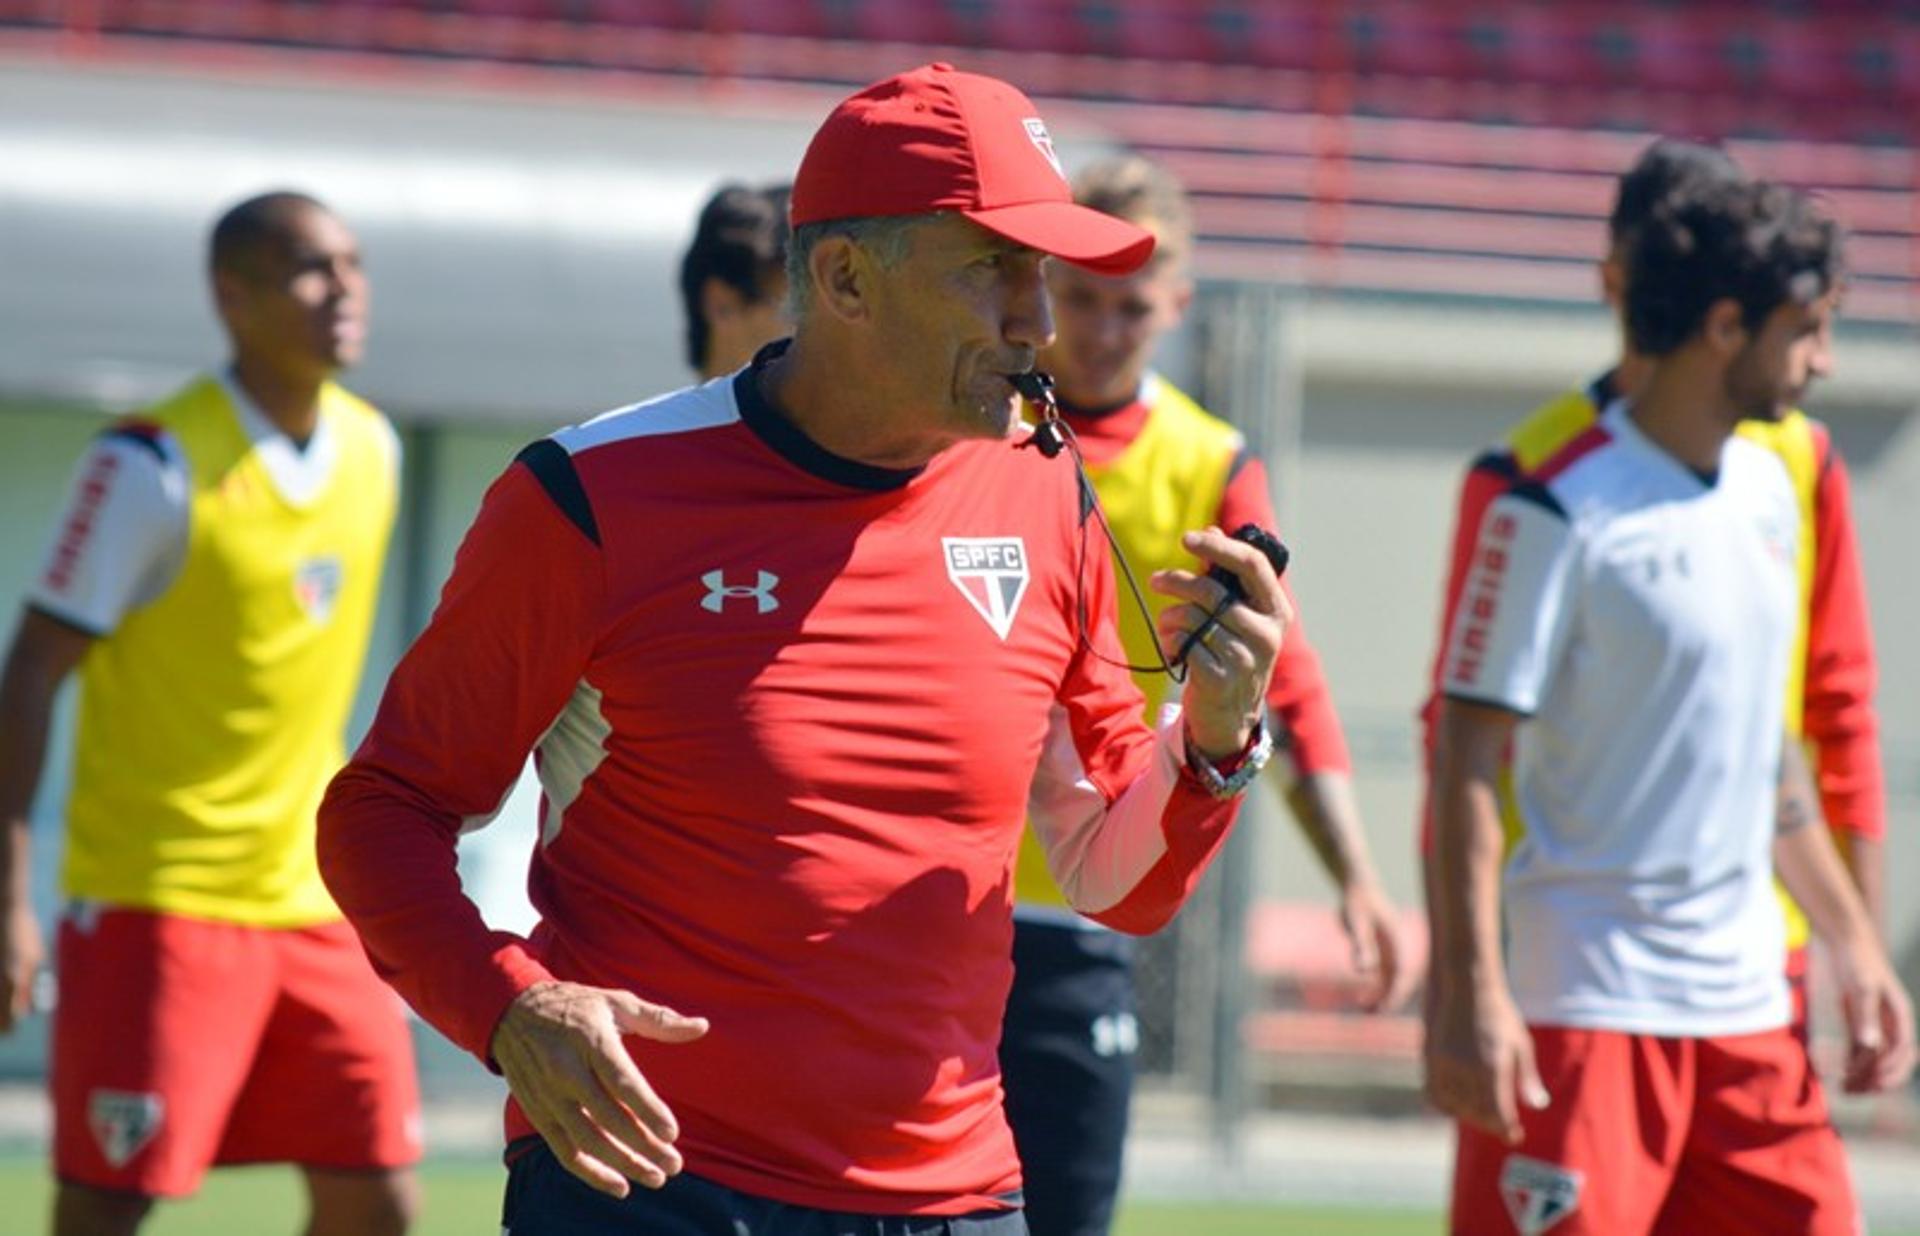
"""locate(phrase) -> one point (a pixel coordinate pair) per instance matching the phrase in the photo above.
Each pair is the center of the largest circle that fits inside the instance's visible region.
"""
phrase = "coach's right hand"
(1479, 1059)
(558, 1045)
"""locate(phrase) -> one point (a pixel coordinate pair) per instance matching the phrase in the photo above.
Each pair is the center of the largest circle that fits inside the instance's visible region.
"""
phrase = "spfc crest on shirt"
(316, 586)
(1538, 1194)
(991, 572)
(122, 1122)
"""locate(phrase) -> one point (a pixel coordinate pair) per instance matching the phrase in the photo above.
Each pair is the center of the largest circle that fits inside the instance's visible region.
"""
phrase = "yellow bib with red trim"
(212, 718)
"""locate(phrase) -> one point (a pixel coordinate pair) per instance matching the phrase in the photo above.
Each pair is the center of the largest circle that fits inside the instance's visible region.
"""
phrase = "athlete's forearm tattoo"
(1798, 806)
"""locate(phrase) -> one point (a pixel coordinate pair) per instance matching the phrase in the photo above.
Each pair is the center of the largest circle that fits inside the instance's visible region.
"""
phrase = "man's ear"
(1613, 281)
(843, 278)
(1725, 327)
(229, 295)
(719, 301)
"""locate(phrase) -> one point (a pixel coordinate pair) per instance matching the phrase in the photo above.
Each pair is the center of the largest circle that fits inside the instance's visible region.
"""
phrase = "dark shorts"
(1067, 1057)
(544, 1199)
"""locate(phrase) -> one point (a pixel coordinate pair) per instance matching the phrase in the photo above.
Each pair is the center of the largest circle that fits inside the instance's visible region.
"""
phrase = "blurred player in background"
(733, 285)
(796, 651)
(733, 278)
(1161, 464)
(1831, 684)
(214, 579)
(1610, 1024)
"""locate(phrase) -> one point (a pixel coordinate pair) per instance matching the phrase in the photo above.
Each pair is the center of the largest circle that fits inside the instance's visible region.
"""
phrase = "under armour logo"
(719, 592)
(1678, 565)
(1116, 1034)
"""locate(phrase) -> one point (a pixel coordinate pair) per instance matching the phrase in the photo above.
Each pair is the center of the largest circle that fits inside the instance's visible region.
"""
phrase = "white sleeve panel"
(1098, 851)
(1516, 605)
(122, 534)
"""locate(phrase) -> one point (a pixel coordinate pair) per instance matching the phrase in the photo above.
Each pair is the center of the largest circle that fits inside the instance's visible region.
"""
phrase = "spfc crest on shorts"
(316, 586)
(123, 1121)
(1538, 1194)
(991, 572)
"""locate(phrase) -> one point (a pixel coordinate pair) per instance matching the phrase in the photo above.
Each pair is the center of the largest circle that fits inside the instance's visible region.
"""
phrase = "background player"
(214, 579)
(1609, 1022)
(1161, 465)
(733, 278)
(1830, 689)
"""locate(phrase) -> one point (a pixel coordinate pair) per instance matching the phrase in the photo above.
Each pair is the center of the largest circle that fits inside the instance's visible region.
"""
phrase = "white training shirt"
(122, 534)
(1641, 618)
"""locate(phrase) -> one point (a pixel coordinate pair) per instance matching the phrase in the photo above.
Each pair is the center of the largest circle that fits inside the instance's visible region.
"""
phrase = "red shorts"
(179, 1043)
(1654, 1136)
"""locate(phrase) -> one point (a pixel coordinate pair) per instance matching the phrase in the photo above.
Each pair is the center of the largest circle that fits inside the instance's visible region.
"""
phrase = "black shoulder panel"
(140, 433)
(1539, 495)
(552, 466)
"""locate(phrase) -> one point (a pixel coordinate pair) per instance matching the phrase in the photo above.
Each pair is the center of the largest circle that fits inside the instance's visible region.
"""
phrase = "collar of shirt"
(299, 475)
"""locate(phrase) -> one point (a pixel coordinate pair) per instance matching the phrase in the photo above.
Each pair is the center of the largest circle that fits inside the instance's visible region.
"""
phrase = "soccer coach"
(797, 653)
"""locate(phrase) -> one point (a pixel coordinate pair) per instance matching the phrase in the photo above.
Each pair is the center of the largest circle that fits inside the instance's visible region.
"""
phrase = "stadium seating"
(1385, 144)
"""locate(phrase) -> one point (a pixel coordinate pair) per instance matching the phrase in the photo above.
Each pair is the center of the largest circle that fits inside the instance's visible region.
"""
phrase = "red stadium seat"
(931, 22)
(1415, 39)
(1542, 46)
(1324, 142)
(659, 14)
(1288, 36)
(1163, 30)
(1043, 26)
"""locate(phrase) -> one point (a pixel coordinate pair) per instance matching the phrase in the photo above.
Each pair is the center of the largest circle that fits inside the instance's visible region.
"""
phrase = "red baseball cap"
(939, 139)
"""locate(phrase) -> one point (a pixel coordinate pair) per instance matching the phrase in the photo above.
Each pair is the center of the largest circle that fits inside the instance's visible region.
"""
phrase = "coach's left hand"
(559, 1047)
(1228, 670)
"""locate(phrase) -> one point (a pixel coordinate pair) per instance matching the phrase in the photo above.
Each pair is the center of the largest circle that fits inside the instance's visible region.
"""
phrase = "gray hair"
(886, 237)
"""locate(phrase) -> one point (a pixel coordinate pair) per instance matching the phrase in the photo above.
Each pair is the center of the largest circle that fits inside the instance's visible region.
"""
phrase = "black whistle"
(1270, 548)
(1036, 388)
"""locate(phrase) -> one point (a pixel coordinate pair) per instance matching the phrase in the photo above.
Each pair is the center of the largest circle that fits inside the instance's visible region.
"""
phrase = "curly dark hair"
(741, 240)
(1753, 242)
(1670, 168)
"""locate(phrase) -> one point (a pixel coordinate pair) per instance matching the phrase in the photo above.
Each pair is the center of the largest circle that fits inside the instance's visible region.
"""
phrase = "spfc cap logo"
(991, 572)
(1043, 142)
(122, 1122)
(1538, 1194)
(316, 585)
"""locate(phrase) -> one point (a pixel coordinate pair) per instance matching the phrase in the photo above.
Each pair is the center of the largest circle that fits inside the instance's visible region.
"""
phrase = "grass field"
(463, 1199)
